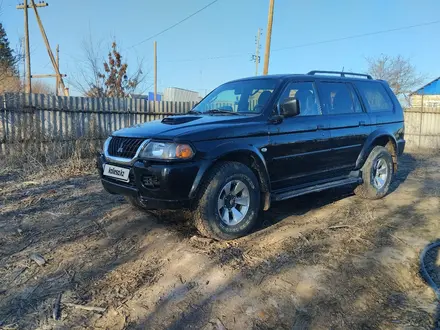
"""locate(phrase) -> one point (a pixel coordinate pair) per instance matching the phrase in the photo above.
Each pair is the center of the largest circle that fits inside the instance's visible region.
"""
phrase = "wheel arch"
(378, 138)
(245, 154)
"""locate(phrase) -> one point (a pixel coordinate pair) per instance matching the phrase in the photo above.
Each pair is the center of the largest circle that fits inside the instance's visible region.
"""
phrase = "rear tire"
(377, 174)
(229, 202)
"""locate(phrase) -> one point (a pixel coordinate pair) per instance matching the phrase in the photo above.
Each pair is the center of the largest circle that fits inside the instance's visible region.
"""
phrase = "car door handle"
(362, 123)
(319, 126)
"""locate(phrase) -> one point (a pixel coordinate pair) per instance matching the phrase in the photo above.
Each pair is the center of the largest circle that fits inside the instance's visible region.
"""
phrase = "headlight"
(164, 150)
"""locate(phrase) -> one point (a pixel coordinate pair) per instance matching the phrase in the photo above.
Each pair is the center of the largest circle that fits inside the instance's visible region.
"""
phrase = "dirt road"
(328, 260)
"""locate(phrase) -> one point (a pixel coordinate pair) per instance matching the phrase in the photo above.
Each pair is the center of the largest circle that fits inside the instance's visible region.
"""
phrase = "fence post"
(3, 127)
(421, 120)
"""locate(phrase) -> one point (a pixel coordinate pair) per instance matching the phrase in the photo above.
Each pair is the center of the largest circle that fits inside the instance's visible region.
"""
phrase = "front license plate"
(117, 172)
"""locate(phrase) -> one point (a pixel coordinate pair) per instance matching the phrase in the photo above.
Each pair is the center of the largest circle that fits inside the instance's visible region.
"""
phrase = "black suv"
(257, 140)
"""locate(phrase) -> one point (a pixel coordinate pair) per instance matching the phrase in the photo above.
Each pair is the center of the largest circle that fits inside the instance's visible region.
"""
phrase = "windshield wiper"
(222, 111)
(194, 112)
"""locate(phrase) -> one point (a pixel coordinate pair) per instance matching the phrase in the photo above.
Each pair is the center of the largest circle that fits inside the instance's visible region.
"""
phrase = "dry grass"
(53, 162)
(35, 144)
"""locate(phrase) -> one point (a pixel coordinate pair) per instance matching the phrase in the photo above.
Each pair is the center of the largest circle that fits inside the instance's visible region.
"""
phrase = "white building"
(180, 95)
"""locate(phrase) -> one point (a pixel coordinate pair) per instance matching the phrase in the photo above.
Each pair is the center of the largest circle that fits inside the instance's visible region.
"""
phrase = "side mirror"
(289, 107)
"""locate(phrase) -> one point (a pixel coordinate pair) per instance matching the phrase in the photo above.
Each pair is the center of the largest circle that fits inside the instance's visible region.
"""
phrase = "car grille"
(124, 147)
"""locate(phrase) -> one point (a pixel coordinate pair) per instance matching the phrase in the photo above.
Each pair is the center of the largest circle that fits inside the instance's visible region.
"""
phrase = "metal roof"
(432, 88)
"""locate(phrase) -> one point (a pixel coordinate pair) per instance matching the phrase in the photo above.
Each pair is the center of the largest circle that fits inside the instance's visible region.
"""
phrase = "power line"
(312, 43)
(174, 25)
(207, 58)
(357, 36)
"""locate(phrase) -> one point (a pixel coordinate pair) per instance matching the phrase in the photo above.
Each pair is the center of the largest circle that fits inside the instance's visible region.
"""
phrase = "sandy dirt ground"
(324, 261)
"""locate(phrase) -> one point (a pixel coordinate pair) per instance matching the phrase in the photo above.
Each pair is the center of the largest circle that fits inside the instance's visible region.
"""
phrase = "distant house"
(428, 95)
(149, 97)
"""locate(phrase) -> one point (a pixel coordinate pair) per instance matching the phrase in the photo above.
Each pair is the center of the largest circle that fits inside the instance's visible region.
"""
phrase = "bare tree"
(399, 72)
(99, 77)
(42, 87)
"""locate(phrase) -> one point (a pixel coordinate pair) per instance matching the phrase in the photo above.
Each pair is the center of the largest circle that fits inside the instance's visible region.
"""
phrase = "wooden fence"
(56, 126)
(46, 124)
(422, 127)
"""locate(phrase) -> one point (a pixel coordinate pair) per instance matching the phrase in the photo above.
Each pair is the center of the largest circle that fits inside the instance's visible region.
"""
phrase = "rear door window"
(336, 98)
(375, 96)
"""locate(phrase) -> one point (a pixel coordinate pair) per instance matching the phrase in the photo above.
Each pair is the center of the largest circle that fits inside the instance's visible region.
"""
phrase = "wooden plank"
(49, 127)
(68, 119)
(55, 137)
(121, 116)
(144, 109)
(137, 109)
(105, 123)
(72, 126)
(3, 126)
(99, 106)
(91, 119)
(158, 109)
(25, 128)
(17, 124)
(59, 119)
(8, 131)
(43, 130)
(80, 117)
(130, 112)
(37, 100)
(30, 130)
(109, 105)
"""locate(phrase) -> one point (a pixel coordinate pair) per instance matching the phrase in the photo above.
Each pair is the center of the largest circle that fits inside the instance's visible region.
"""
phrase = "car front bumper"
(159, 185)
(400, 147)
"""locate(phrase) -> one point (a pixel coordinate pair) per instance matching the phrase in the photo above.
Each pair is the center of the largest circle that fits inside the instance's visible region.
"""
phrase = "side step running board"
(328, 185)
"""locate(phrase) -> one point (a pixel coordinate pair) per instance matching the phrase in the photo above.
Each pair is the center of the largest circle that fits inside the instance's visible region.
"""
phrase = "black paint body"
(285, 153)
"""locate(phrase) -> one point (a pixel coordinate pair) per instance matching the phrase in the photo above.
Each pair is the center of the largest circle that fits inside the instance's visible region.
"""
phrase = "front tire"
(229, 202)
(377, 173)
(136, 202)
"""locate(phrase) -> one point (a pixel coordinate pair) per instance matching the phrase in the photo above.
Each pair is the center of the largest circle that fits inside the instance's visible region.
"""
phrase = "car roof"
(304, 76)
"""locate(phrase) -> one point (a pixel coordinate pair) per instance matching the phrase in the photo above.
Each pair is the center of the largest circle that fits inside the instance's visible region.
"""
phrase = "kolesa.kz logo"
(116, 172)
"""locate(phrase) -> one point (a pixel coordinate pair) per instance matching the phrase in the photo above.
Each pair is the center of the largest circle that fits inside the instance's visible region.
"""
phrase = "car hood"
(194, 127)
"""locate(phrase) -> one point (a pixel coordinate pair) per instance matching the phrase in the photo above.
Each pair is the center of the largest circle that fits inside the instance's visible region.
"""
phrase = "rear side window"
(375, 96)
(337, 98)
(357, 103)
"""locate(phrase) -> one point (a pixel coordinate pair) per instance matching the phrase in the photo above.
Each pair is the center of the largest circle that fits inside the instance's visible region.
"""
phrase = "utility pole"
(49, 50)
(268, 37)
(28, 84)
(155, 71)
(25, 6)
(24, 61)
(57, 89)
(256, 57)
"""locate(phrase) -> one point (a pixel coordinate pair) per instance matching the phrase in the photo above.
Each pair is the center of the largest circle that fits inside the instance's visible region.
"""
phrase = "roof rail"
(341, 73)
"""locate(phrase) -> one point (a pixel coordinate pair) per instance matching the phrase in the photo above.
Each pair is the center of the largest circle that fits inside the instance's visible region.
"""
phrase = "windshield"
(246, 96)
